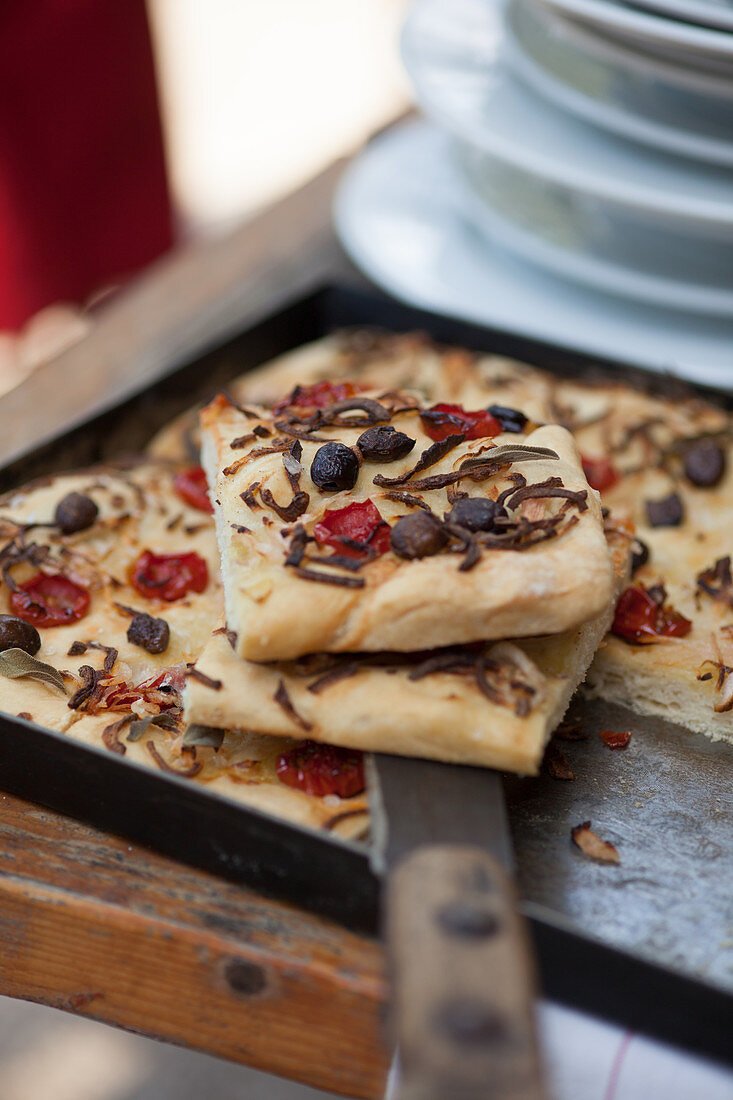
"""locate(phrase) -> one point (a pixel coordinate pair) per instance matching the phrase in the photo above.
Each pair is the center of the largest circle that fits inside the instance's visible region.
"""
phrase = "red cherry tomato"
(322, 769)
(600, 473)
(641, 620)
(169, 576)
(317, 396)
(50, 600)
(440, 421)
(192, 487)
(359, 522)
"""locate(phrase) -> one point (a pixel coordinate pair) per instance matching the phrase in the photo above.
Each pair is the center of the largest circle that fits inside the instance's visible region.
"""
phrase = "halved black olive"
(149, 633)
(75, 512)
(476, 513)
(334, 467)
(639, 554)
(384, 444)
(418, 536)
(511, 420)
(17, 634)
(705, 464)
(666, 512)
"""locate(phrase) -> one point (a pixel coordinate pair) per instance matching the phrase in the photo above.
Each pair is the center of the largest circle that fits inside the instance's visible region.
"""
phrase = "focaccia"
(421, 573)
(110, 680)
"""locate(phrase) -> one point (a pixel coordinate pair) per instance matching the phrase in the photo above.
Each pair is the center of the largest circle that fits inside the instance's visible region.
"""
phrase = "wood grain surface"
(464, 980)
(96, 926)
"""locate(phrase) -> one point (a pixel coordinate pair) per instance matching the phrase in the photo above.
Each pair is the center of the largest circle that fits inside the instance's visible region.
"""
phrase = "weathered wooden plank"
(93, 925)
(196, 295)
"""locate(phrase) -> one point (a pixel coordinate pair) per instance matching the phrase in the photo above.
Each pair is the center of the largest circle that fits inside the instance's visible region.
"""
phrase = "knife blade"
(462, 975)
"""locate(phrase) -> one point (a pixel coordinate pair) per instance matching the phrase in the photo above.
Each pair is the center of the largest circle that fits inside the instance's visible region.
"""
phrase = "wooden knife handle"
(463, 979)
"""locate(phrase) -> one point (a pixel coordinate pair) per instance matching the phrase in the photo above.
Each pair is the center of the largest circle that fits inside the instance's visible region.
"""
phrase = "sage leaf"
(16, 663)
(138, 728)
(508, 453)
(204, 736)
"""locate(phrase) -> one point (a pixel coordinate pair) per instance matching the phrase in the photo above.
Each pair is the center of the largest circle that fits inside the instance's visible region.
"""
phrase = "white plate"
(647, 99)
(646, 30)
(450, 50)
(707, 13)
(397, 215)
(593, 242)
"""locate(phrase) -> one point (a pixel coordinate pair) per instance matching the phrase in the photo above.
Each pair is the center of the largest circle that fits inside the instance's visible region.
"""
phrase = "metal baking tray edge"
(319, 872)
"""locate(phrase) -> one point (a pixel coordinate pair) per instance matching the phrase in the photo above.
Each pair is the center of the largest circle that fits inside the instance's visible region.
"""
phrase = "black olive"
(511, 420)
(418, 535)
(17, 634)
(149, 633)
(639, 554)
(74, 513)
(384, 444)
(334, 467)
(476, 513)
(705, 464)
(666, 512)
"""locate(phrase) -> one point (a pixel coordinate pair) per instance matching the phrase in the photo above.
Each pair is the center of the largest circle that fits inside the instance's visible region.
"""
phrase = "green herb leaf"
(511, 452)
(16, 663)
(138, 728)
(205, 736)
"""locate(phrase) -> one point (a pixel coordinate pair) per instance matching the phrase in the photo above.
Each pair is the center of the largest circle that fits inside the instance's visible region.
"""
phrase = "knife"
(463, 979)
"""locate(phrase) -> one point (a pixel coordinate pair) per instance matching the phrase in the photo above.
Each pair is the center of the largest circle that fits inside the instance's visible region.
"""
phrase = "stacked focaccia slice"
(426, 580)
(110, 588)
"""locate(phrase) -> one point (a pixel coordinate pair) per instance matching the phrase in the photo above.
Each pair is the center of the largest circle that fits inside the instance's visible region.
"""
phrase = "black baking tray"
(603, 943)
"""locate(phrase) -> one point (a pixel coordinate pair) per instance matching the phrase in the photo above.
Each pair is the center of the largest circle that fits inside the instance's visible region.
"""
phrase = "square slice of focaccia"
(493, 704)
(376, 523)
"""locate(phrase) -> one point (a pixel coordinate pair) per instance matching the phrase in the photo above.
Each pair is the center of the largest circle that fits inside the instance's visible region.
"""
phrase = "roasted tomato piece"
(317, 396)
(50, 600)
(440, 421)
(169, 683)
(192, 487)
(641, 619)
(322, 769)
(600, 473)
(353, 531)
(169, 576)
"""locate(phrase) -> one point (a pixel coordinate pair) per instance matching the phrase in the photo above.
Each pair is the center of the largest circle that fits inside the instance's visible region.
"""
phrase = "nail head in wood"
(245, 978)
(470, 1022)
(472, 920)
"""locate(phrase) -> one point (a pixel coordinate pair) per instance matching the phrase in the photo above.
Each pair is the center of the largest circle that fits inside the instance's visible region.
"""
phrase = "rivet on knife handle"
(462, 979)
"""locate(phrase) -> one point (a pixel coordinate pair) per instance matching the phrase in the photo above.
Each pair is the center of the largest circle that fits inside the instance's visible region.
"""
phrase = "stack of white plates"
(587, 160)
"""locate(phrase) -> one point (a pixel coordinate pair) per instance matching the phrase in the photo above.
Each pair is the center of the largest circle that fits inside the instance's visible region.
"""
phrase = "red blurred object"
(169, 576)
(358, 522)
(599, 472)
(640, 619)
(322, 769)
(191, 486)
(440, 421)
(84, 199)
(317, 396)
(50, 599)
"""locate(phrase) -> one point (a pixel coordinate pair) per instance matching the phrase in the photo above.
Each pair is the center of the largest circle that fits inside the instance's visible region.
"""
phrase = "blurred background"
(254, 97)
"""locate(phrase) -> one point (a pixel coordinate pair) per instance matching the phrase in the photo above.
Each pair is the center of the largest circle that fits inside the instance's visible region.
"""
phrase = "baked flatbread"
(494, 705)
(542, 567)
(88, 680)
(619, 429)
